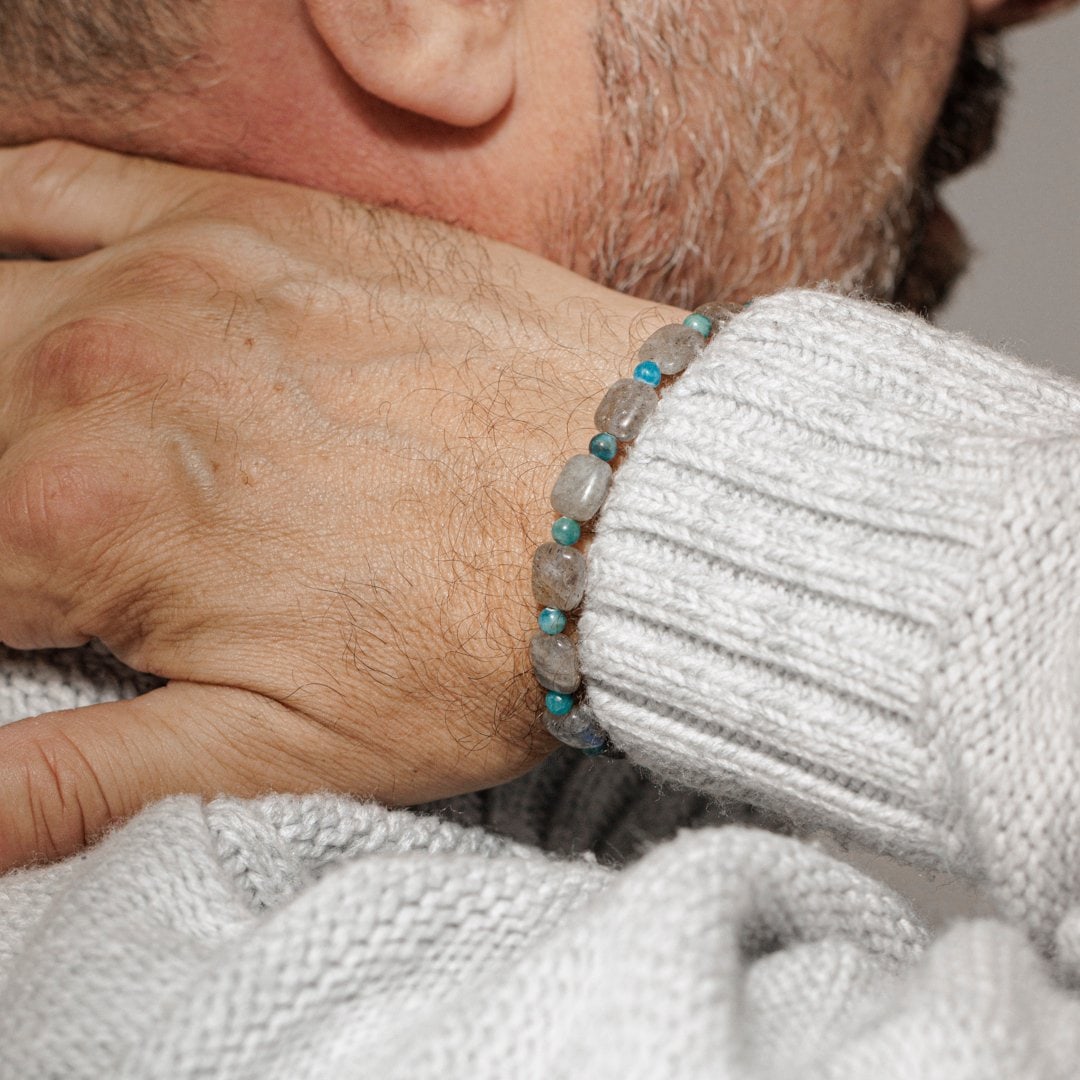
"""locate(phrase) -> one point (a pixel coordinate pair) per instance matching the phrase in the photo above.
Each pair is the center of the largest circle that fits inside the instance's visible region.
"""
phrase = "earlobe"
(449, 60)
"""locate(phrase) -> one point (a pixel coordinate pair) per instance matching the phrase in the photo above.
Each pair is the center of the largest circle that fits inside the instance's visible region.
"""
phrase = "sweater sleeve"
(839, 575)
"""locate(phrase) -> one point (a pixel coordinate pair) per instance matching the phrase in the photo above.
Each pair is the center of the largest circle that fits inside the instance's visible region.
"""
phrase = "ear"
(448, 60)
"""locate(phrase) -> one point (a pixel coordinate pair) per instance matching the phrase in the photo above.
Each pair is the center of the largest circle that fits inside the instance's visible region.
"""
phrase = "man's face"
(677, 149)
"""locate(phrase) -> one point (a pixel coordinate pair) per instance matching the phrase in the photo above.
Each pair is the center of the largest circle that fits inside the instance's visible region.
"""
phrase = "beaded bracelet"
(558, 568)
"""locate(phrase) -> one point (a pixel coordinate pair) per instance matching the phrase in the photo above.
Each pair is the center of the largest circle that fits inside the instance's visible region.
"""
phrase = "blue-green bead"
(648, 373)
(558, 704)
(552, 620)
(596, 749)
(565, 531)
(604, 446)
(699, 323)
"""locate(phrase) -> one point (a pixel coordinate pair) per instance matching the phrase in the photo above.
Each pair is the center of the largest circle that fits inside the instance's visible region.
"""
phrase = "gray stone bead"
(555, 662)
(558, 576)
(578, 728)
(626, 407)
(719, 313)
(672, 348)
(581, 488)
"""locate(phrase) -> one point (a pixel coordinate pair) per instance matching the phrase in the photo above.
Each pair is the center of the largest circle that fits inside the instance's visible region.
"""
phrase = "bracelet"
(558, 568)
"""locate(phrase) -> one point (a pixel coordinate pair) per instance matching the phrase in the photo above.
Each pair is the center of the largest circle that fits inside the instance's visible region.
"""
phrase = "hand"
(293, 456)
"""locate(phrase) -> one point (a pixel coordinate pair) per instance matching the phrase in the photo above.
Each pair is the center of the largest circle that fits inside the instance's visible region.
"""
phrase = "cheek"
(886, 65)
(502, 180)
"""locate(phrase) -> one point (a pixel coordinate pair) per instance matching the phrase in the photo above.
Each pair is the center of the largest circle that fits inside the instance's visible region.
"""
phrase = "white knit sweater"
(838, 578)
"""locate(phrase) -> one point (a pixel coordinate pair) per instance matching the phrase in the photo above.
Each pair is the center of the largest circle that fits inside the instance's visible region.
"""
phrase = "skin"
(850, 92)
(338, 593)
(281, 106)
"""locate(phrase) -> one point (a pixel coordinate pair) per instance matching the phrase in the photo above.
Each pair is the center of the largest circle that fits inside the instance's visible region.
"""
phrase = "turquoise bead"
(558, 704)
(699, 323)
(603, 446)
(552, 620)
(648, 373)
(566, 531)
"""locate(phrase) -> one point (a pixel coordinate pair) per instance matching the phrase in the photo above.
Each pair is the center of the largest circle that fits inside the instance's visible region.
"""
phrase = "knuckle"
(88, 359)
(57, 819)
(54, 504)
(63, 800)
(56, 802)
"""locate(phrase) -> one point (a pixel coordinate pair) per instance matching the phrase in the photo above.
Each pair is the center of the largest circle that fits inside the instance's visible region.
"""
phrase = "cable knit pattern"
(837, 577)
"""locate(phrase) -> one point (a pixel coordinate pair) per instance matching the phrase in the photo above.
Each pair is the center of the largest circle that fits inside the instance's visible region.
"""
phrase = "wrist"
(540, 410)
(559, 565)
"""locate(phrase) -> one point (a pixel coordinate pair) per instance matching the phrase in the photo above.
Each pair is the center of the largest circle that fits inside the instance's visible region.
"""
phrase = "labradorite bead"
(558, 576)
(626, 407)
(582, 487)
(577, 728)
(551, 620)
(672, 348)
(558, 704)
(720, 312)
(699, 323)
(604, 446)
(566, 531)
(555, 662)
(648, 373)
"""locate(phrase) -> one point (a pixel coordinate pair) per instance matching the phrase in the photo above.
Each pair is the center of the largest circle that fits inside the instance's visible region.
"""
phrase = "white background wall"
(1022, 209)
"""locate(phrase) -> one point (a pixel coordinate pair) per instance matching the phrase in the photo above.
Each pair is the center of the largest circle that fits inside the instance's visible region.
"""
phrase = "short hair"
(80, 53)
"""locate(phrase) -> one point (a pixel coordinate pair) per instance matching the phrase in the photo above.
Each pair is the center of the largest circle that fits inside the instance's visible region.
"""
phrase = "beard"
(935, 252)
(687, 202)
(89, 57)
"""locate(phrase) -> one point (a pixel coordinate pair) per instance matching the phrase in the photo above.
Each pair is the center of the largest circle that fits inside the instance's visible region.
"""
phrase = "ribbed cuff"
(779, 571)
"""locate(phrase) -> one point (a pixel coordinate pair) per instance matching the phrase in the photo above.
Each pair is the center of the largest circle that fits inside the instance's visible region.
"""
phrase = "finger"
(63, 199)
(65, 777)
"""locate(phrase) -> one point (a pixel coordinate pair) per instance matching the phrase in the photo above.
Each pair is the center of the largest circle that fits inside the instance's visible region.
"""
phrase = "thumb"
(66, 776)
